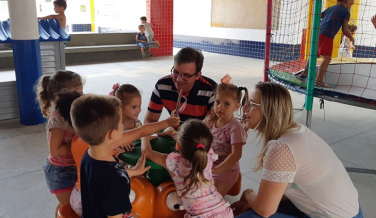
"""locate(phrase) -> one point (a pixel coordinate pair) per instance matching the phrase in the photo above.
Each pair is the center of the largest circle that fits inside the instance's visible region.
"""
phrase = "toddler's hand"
(128, 147)
(118, 151)
(140, 165)
(169, 131)
(153, 137)
(173, 120)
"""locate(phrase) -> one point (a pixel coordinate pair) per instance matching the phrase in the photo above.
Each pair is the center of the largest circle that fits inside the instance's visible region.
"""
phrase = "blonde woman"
(302, 177)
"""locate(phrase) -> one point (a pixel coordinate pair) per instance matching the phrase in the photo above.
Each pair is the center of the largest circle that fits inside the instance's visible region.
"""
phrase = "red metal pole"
(267, 40)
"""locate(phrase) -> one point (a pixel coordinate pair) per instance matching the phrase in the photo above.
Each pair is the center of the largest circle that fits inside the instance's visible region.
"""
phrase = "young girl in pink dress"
(190, 170)
(229, 135)
(60, 169)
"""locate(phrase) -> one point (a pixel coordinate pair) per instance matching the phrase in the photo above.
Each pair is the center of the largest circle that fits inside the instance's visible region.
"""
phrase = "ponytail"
(49, 87)
(43, 96)
(196, 176)
(195, 141)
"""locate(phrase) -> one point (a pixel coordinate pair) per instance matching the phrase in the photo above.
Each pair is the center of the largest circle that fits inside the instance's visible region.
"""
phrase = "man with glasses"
(185, 76)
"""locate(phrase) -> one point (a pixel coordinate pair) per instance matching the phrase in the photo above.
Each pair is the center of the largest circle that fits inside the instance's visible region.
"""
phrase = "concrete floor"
(350, 131)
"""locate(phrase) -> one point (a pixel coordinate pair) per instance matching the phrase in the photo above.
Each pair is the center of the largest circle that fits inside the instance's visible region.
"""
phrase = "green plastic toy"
(157, 174)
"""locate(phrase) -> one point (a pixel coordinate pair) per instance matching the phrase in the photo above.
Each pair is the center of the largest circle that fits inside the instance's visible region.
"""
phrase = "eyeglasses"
(185, 76)
(250, 105)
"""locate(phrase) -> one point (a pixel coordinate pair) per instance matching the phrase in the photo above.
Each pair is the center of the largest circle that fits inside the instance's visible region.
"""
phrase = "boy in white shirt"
(149, 32)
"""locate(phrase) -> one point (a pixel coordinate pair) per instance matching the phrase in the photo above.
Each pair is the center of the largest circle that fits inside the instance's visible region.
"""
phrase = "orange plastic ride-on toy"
(65, 211)
(152, 202)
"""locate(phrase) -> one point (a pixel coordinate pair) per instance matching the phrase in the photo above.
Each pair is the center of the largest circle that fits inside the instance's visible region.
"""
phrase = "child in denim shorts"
(141, 41)
(60, 170)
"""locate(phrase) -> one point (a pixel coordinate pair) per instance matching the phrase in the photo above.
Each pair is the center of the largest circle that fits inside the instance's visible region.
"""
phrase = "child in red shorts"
(333, 19)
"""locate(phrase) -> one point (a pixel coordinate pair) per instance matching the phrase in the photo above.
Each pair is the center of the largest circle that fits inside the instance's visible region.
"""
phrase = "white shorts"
(149, 38)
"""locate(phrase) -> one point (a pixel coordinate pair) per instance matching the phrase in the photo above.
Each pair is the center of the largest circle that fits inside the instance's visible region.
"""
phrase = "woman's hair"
(276, 115)
(192, 133)
(126, 92)
(231, 91)
(49, 87)
(64, 103)
(61, 3)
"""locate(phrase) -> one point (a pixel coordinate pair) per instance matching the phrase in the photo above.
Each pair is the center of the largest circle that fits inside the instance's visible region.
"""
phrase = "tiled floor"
(350, 131)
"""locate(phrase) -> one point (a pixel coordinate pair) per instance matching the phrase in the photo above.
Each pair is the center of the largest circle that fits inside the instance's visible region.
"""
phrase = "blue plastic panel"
(49, 30)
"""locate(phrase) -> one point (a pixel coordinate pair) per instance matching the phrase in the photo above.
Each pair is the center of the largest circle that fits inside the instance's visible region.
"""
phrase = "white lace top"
(318, 182)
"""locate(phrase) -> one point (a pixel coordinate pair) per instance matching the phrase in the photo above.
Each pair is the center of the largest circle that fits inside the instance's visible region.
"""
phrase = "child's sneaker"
(152, 55)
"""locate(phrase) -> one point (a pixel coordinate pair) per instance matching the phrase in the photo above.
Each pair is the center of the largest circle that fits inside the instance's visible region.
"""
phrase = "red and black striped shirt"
(199, 100)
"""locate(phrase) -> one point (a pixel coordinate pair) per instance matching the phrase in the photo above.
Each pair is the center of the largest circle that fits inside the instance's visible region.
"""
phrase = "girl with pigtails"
(190, 169)
(229, 134)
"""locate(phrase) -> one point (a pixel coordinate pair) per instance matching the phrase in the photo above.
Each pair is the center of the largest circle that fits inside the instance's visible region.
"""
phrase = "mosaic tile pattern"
(252, 49)
(160, 15)
(242, 48)
(364, 52)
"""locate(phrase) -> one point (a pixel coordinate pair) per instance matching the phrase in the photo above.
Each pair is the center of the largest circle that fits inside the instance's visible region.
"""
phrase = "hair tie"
(241, 88)
(114, 88)
(226, 79)
(200, 146)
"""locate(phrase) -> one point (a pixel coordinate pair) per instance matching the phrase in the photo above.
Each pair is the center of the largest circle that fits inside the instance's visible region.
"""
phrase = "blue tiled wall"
(284, 52)
(81, 27)
(252, 49)
(364, 52)
(243, 48)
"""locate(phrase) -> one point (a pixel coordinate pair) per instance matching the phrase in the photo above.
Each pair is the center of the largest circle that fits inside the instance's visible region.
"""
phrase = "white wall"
(4, 13)
(73, 12)
(193, 17)
(292, 21)
(44, 8)
(120, 14)
(366, 34)
(116, 14)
